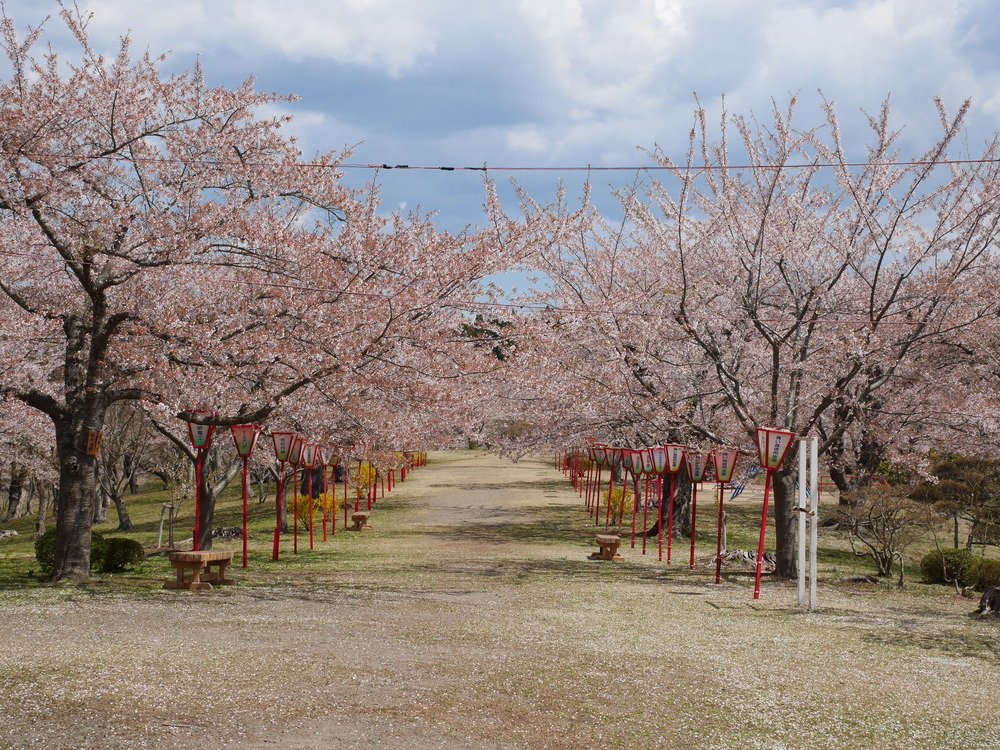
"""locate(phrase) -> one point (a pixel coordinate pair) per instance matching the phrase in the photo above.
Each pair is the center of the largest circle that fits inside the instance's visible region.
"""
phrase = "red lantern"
(282, 450)
(245, 436)
(201, 440)
(674, 462)
(772, 447)
(697, 462)
(725, 467)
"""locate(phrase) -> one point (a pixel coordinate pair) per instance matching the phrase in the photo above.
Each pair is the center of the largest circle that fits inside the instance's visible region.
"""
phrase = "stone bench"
(195, 569)
(360, 521)
(608, 544)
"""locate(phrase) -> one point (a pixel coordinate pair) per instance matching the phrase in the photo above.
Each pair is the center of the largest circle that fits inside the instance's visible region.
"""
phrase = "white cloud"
(529, 141)
(386, 35)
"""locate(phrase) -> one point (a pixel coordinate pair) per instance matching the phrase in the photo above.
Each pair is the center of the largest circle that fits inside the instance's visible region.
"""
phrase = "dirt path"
(471, 618)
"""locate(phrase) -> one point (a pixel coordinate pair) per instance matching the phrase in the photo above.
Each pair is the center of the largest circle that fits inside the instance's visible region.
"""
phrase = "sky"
(560, 84)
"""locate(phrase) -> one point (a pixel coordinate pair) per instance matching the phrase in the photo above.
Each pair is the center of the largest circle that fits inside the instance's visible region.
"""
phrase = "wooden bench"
(195, 569)
(360, 521)
(608, 544)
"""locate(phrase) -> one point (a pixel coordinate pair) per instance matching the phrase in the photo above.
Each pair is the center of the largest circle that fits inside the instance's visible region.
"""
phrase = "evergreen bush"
(121, 554)
(986, 574)
(949, 566)
(45, 551)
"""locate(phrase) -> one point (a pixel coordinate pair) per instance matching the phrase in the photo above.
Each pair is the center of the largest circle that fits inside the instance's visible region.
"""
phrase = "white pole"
(814, 518)
(802, 522)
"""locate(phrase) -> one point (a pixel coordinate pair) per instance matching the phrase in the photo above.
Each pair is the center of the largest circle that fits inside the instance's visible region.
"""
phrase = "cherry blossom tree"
(163, 241)
(771, 281)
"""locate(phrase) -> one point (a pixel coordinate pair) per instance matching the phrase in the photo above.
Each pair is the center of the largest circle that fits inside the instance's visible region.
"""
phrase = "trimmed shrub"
(949, 566)
(986, 574)
(45, 551)
(120, 554)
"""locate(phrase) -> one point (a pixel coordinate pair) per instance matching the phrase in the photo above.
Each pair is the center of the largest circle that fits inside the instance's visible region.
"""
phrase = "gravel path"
(471, 618)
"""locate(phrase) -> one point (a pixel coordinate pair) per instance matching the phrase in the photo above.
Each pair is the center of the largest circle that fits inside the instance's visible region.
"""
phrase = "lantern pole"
(309, 463)
(295, 458)
(616, 461)
(696, 463)
(323, 460)
(635, 466)
(201, 440)
(772, 446)
(245, 436)
(675, 460)
(282, 448)
(725, 468)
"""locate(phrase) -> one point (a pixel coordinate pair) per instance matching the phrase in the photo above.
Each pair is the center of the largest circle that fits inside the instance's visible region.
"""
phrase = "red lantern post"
(637, 471)
(659, 455)
(282, 449)
(601, 458)
(322, 460)
(309, 451)
(696, 464)
(675, 460)
(295, 458)
(201, 439)
(725, 466)
(333, 459)
(615, 459)
(245, 436)
(772, 447)
(649, 468)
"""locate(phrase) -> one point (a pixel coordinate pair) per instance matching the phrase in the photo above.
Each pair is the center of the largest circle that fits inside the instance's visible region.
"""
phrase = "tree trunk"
(77, 485)
(101, 506)
(129, 466)
(124, 522)
(206, 520)
(15, 491)
(785, 504)
(43, 510)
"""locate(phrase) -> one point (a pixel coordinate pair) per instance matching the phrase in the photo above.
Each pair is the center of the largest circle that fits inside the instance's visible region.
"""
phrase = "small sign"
(92, 442)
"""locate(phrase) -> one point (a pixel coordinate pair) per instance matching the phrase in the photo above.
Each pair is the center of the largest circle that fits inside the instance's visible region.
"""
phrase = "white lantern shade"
(646, 457)
(696, 463)
(295, 455)
(201, 435)
(309, 455)
(245, 436)
(772, 446)
(675, 457)
(600, 454)
(659, 454)
(282, 444)
(725, 463)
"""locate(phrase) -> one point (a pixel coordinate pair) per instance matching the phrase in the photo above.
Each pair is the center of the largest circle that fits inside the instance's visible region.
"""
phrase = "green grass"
(548, 524)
